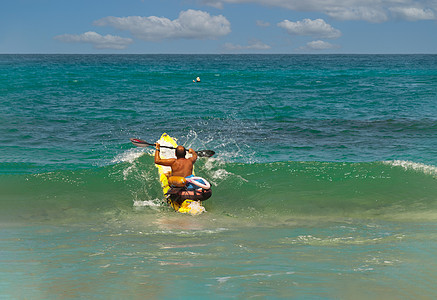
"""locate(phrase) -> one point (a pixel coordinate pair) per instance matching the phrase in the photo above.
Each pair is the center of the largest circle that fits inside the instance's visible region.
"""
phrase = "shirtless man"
(180, 166)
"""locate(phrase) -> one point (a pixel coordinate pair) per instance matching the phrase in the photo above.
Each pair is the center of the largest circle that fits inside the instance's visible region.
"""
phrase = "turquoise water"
(324, 181)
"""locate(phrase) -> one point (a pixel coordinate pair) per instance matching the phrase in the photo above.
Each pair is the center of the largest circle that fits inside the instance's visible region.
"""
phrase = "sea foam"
(410, 165)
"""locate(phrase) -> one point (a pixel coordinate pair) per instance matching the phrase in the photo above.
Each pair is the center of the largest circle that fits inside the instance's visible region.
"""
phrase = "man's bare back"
(180, 166)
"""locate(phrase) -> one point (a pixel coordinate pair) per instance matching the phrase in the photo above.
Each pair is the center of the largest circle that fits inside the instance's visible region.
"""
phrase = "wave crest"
(410, 165)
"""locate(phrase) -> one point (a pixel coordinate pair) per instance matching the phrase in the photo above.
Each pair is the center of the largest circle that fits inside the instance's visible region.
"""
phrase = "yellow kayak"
(188, 206)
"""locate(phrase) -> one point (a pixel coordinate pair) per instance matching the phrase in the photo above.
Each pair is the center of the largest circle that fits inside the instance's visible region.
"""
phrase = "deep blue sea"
(324, 178)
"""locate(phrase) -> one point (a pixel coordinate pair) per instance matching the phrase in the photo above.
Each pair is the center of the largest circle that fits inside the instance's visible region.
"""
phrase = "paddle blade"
(140, 143)
(205, 153)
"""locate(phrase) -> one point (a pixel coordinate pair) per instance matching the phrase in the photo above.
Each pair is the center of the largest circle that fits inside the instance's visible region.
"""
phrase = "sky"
(218, 26)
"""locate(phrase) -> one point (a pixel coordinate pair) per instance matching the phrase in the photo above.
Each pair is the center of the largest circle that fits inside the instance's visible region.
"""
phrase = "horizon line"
(419, 53)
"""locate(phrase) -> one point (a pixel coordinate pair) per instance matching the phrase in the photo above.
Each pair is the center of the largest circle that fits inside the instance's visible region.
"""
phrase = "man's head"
(180, 151)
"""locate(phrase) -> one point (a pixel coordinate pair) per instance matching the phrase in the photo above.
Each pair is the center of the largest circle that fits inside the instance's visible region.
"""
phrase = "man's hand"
(162, 162)
(191, 151)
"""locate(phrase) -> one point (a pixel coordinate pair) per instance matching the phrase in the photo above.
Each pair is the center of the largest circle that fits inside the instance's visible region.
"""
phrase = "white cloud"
(413, 13)
(318, 45)
(191, 24)
(315, 28)
(252, 45)
(213, 3)
(367, 13)
(262, 23)
(98, 41)
(367, 10)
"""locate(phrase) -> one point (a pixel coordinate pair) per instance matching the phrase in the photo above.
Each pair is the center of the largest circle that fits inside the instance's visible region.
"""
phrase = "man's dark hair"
(180, 152)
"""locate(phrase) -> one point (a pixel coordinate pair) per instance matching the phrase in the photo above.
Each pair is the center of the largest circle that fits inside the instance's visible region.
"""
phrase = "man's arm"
(194, 155)
(159, 160)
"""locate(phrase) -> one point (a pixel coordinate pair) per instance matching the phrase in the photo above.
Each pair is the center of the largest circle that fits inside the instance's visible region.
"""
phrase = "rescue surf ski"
(184, 195)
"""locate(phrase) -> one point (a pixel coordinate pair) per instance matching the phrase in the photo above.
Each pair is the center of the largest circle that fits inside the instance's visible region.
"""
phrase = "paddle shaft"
(141, 143)
(162, 146)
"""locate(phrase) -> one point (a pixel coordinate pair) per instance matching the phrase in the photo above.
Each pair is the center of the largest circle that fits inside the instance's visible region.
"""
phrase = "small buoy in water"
(197, 79)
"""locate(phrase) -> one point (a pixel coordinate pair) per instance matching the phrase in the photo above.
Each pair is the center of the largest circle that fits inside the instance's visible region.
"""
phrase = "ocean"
(324, 179)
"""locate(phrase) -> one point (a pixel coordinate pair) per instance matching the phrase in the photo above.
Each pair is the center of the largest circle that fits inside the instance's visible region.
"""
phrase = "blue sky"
(218, 26)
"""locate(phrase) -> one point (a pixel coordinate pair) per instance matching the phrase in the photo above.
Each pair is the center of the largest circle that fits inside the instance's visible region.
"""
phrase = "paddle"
(141, 143)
